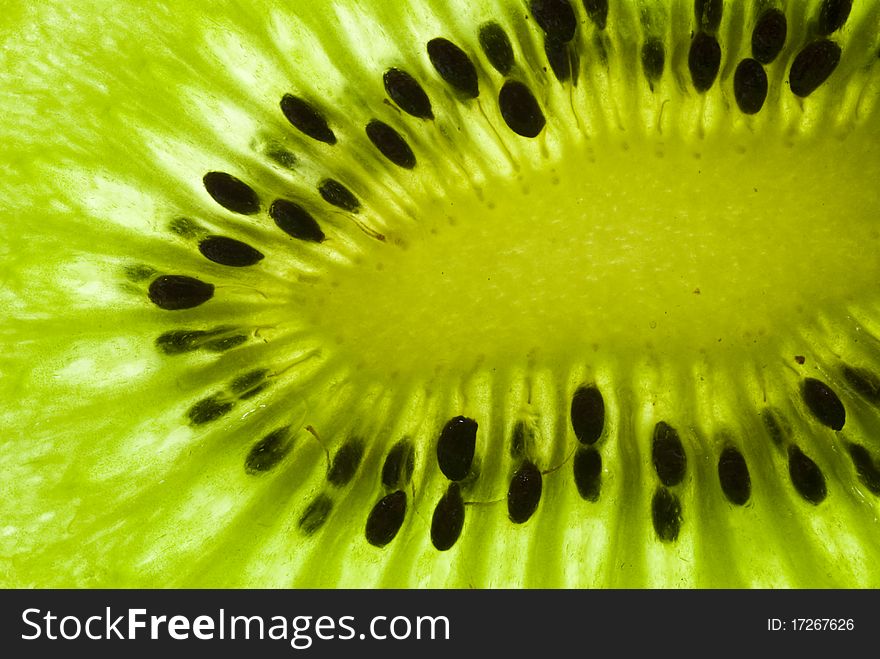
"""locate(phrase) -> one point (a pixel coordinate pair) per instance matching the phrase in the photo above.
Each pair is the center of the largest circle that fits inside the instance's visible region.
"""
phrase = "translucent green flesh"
(654, 241)
(625, 248)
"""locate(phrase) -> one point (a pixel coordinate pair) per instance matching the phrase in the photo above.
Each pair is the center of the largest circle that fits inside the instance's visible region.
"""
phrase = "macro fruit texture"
(496, 293)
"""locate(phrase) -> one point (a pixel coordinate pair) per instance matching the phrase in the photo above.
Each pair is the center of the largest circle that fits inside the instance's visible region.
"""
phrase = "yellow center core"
(683, 247)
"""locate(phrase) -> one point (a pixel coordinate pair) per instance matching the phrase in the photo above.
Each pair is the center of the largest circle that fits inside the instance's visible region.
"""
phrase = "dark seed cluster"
(217, 339)
(653, 60)
(448, 519)
(345, 463)
(587, 414)
(733, 474)
(333, 192)
(866, 468)
(597, 10)
(341, 471)
(670, 463)
(812, 66)
(306, 118)
(397, 470)
(267, 453)
(865, 383)
(524, 492)
(229, 251)
(456, 447)
(520, 109)
(218, 404)
(456, 66)
(315, 514)
(833, 15)
(295, 221)
(386, 518)
(708, 14)
(806, 476)
(177, 292)
(704, 61)
(588, 472)
(750, 86)
(389, 512)
(666, 514)
(408, 94)
(768, 36)
(497, 48)
(824, 403)
(209, 409)
(391, 144)
(231, 193)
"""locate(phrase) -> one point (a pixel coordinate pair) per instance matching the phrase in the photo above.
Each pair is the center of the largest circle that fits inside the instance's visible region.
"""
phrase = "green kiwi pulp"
(496, 293)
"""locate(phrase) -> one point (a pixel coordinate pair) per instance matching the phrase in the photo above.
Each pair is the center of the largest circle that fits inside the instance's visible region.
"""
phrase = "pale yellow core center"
(679, 248)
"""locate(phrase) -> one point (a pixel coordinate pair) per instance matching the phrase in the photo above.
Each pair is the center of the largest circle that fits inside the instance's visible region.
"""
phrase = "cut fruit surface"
(441, 294)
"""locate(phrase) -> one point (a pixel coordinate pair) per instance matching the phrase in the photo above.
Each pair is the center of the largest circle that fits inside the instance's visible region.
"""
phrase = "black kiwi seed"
(733, 474)
(653, 59)
(448, 519)
(305, 117)
(750, 86)
(524, 493)
(813, 66)
(806, 476)
(666, 514)
(228, 251)
(597, 10)
(769, 34)
(520, 110)
(823, 403)
(454, 66)
(868, 473)
(866, 383)
(587, 414)
(295, 221)
(386, 518)
(496, 46)
(704, 60)
(345, 463)
(268, 452)
(588, 473)
(399, 464)
(176, 292)
(209, 409)
(456, 446)
(333, 192)
(667, 454)
(177, 342)
(248, 381)
(833, 15)
(231, 193)
(558, 57)
(555, 17)
(407, 93)
(315, 514)
(391, 144)
(708, 14)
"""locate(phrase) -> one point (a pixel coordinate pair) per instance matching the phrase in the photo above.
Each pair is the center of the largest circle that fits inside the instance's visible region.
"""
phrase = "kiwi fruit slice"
(485, 293)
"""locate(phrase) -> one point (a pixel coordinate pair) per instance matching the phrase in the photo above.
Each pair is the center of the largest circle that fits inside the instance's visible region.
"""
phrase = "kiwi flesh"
(497, 293)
